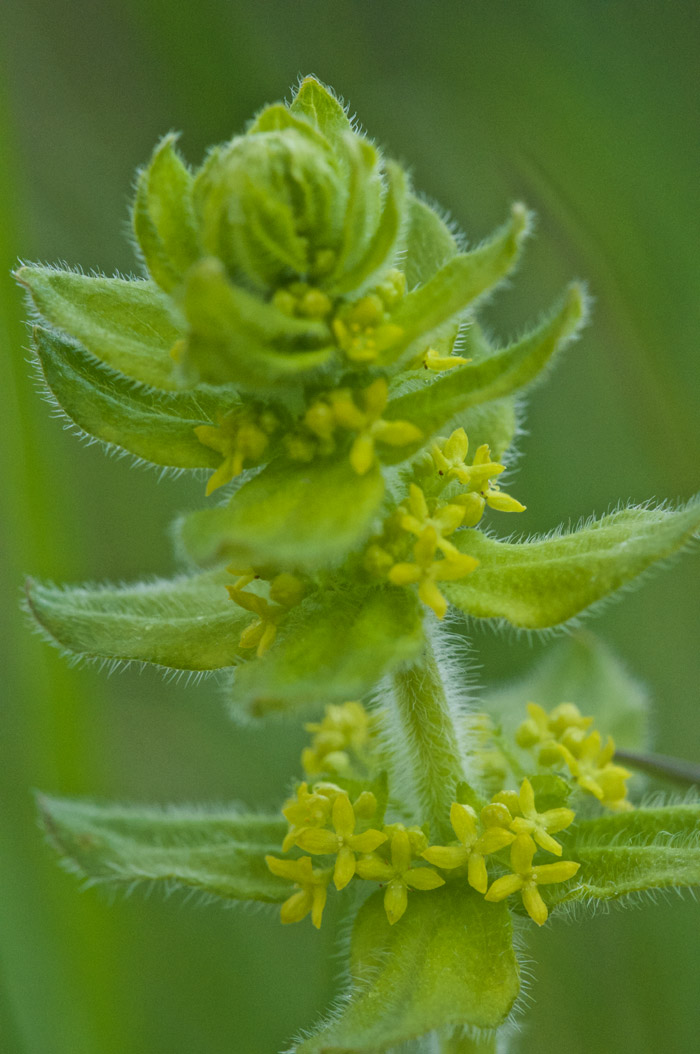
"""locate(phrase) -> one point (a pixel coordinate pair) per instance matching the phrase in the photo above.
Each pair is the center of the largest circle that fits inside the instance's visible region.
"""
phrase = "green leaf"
(236, 337)
(147, 422)
(321, 109)
(583, 670)
(128, 324)
(438, 401)
(163, 216)
(429, 243)
(220, 852)
(382, 247)
(186, 623)
(460, 282)
(294, 516)
(329, 649)
(546, 581)
(632, 852)
(449, 962)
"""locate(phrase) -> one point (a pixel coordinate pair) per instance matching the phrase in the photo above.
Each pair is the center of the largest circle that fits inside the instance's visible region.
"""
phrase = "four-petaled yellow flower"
(399, 875)
(449, 456)
(308, 809)
(341, 841)
(471, 849)
(591, 766)
(369, 424)
(527, 878)
(239, 438)
(364, 331)
(312, 893)
(540, 825)
(415, 516)
(427, 571)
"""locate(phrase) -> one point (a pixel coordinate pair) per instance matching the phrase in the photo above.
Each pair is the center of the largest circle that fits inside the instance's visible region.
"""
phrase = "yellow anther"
(312, 889)
(427, 571)
(527, 878)
(398, 875)
(342, 841)
(540, 825)
(471, 849)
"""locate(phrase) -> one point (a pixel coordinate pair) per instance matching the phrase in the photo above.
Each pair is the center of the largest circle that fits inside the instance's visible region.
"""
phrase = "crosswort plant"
(306, 337)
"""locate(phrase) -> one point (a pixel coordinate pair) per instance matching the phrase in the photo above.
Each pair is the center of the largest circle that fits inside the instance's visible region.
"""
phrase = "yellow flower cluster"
(323, 821)
(364, 330)
(285, 591)
(340, 409)
(432, 522)
(563, 738)
(339, 739)
(450, 457)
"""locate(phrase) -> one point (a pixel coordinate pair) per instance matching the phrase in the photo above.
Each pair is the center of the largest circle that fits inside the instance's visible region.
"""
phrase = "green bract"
(306, 334)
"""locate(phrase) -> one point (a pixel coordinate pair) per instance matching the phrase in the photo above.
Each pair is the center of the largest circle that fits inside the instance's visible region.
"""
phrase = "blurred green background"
(587, 111)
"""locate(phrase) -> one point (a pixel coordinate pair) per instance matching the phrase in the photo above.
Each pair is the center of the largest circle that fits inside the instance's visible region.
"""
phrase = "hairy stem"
(428, 721)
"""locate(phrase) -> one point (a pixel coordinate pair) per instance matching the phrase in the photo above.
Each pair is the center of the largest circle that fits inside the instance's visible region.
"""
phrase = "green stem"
(427, 722)
(674, 769)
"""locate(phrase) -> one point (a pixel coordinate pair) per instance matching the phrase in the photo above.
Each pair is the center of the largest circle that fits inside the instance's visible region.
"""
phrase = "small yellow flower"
(399, 875)
(344, 728)
(540, 825)
(450, 455)
(239, 438)
(527, 878)
(415, 517)
(307, 809)
(285, 589)
(369, 424)
(427, 571)
(471, 849)
(341, 841)
(542, 727)
(312, 893)
(363, 330)
(592, 768)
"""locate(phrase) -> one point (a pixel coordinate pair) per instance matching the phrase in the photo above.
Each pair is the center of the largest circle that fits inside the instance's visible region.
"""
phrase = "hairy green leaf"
(460, 282)
(442, 397)
(236, 337)
(382, 246)
(546, 581)
(296, 516)
(429, 243)
(329, 649)
(220, 852)
(632, 852)
(448, 962)
(129, 324)
(186, 623)
(163, 216)
(580, 669)
(152, 424)
(321, 109)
